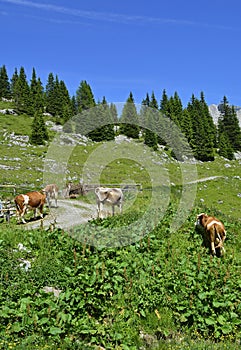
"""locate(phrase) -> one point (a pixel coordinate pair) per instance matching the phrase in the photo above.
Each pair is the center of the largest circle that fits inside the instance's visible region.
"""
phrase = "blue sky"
(128, 45)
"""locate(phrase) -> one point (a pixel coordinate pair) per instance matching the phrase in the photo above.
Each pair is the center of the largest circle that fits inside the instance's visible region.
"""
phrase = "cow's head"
(201, 219)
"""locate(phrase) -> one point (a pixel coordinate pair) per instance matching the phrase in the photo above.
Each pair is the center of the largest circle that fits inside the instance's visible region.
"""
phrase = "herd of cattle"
(212, 230)
(36, 200)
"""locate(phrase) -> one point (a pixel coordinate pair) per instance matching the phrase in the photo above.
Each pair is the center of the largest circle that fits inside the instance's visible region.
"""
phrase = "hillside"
(140, 280)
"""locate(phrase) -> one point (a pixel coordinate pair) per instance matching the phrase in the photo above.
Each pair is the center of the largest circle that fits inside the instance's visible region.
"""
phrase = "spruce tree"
(228, 123)
(114, 113)
(21, 93)
(36, 95)
(129, 124)
(104, 124)
(13, 82)
(225, 148)
(151, 122)
(39, 133)
(84, 97)
(49, 94)
(5, 91)
(202, 143)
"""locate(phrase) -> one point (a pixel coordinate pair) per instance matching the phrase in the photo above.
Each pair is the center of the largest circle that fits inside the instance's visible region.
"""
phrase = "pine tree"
(150, 121)
(129, 124)
(84, 97)
(225, 148)
(228, 123)
(211, 130)
(74, 109)
(104, 124)
(39, 133)
(114, 113)
(13, 82)
(49, 94)
(201, 142)
(36, 96)
(21, 92)
(5, 91)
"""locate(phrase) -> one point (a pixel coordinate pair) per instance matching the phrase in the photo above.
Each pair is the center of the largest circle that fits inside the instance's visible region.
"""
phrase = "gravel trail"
(69, 213)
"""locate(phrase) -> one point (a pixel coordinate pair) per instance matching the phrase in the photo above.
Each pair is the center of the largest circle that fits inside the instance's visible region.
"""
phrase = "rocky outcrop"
(215, 113)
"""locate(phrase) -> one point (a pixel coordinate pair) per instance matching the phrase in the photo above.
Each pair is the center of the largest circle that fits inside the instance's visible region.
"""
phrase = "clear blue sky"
(119, 46)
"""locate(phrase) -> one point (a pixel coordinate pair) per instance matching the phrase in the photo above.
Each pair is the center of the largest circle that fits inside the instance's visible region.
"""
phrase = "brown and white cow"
(109, 196)
(213, 232)
(51, 192)
(31, 200)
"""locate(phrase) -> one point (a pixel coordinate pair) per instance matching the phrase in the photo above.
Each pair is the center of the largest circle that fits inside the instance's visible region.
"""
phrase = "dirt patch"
(69, 213)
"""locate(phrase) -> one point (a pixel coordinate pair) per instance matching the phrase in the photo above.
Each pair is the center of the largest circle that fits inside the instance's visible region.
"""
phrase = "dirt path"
(204, 179)
(68, 213)
(71, 213)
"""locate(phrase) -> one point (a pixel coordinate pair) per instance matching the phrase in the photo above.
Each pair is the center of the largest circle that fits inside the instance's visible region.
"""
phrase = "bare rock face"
(215, 113)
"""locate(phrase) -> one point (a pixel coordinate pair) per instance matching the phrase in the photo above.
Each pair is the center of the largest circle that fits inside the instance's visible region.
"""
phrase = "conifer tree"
(225, 148)
(211, 128)
(228, 123)
(39, 133)
(151, 122)
(49, 94)
(13, 82)
(73, 106)
(84, 97)
(104, 124)
(201, 142)
(36, 95)
(5, 91)
(114, 113)
(21, 92)
(129, 119)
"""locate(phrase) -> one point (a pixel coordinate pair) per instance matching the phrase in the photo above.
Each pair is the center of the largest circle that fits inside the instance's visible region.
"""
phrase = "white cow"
(109, 196)
(51, 192)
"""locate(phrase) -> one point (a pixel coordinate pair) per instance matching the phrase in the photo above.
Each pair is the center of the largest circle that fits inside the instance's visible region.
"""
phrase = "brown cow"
(213, 232)
(31, 200)
(51, 192)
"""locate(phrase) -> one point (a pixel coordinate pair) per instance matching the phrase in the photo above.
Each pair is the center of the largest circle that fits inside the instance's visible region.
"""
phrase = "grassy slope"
(114, 294)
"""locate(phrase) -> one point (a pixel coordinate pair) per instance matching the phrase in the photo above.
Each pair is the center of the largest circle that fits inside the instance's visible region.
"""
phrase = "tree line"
(165, 123)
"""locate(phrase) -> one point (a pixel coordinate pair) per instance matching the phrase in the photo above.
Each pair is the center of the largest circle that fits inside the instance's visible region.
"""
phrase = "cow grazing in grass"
(110, 196)
(31, 200)
(51, 192)
(213, 232)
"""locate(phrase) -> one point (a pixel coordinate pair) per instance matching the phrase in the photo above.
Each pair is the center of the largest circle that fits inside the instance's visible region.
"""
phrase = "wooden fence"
(73, 190)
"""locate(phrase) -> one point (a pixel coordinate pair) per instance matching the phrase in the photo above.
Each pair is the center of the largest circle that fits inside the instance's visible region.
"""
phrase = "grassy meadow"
(156, 289)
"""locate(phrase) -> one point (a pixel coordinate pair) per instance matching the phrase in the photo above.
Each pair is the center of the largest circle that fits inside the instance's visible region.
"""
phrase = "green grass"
(163, 286)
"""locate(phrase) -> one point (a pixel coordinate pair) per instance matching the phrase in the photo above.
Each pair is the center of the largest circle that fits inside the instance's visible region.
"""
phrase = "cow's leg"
(35, 213)
(22, 215)
(212, 237)
(213, 251)
(113, 210)
(41, 210)
(49, 200)
(120, 207)
(98, 210)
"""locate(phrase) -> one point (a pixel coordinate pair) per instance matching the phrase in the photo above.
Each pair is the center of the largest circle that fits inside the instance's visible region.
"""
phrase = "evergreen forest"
(99, 120)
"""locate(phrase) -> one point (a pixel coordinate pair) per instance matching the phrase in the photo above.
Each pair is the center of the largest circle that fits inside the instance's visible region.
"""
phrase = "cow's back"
(36, 199)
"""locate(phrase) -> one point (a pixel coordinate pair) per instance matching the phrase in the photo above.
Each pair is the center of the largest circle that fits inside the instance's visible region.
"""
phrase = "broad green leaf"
(210, 321)
(55, 330)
